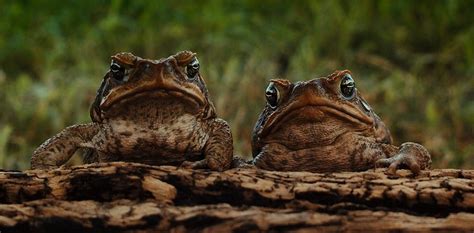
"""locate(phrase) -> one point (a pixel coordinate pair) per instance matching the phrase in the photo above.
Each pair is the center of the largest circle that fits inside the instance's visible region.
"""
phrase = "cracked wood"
(120, 215)
(130, 196)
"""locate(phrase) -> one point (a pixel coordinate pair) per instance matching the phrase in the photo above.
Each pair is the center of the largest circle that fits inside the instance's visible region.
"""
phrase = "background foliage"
(412, 60)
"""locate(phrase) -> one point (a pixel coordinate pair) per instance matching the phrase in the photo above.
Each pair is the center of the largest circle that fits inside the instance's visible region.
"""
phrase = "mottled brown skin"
(150, 111)
(316, 126)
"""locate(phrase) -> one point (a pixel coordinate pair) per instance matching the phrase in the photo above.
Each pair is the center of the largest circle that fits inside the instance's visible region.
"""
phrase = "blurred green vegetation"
(412, 60)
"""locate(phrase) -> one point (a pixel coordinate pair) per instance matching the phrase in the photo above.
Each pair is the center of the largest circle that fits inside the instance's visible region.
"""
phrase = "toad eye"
(272, 95)
(347, 86)
(118, 72)
(192, 68)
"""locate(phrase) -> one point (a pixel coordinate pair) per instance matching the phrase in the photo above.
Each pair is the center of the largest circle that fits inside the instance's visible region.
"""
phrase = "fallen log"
(128, 196)
(50, 215)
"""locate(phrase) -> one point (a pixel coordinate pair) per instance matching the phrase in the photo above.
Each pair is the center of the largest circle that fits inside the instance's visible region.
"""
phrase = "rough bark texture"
(135, 197)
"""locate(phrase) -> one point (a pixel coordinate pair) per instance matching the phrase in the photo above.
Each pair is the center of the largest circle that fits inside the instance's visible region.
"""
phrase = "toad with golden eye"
(324, 125)
(149, 111)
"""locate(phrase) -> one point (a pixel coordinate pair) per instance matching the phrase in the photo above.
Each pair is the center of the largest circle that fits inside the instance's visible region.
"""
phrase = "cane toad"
(149, 111)
(324, 125)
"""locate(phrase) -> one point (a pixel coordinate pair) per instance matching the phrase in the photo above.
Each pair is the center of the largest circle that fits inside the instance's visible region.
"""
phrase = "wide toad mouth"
(318, 109)
(155, 93)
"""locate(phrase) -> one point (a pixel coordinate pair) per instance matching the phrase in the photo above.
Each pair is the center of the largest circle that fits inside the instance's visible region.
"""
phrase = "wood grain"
(135, 197)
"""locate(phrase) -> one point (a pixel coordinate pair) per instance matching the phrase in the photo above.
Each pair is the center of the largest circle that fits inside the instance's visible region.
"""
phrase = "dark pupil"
(271, 96)
(347, 86)
(118, 72)
(192, 69)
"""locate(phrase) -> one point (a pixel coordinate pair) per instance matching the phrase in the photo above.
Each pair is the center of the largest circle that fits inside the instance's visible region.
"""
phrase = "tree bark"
(135, 197)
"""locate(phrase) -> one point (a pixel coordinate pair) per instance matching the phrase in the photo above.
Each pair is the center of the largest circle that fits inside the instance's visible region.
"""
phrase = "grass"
(413, 61)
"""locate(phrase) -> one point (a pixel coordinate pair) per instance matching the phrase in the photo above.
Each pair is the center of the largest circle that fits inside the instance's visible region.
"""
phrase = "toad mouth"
(320, 107)
(154, 94)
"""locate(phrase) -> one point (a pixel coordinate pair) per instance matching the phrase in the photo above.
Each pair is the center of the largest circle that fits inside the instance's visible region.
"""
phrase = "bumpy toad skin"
(149, 111)
(324, 125)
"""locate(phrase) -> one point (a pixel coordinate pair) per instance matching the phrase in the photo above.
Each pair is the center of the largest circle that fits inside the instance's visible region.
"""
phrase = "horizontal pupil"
(117, 69)
(347, 90)
(192, 70)
(272, 99)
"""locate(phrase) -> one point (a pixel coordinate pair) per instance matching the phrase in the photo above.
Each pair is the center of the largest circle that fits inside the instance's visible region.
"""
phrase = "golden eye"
(118, 72)
(272, 95)
(347, 86)
(192, 68)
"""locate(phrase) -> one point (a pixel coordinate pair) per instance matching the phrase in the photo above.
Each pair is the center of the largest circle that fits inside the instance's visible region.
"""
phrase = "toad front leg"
(218, 149)
(410, 155)
(57, 150)
(363, 154)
